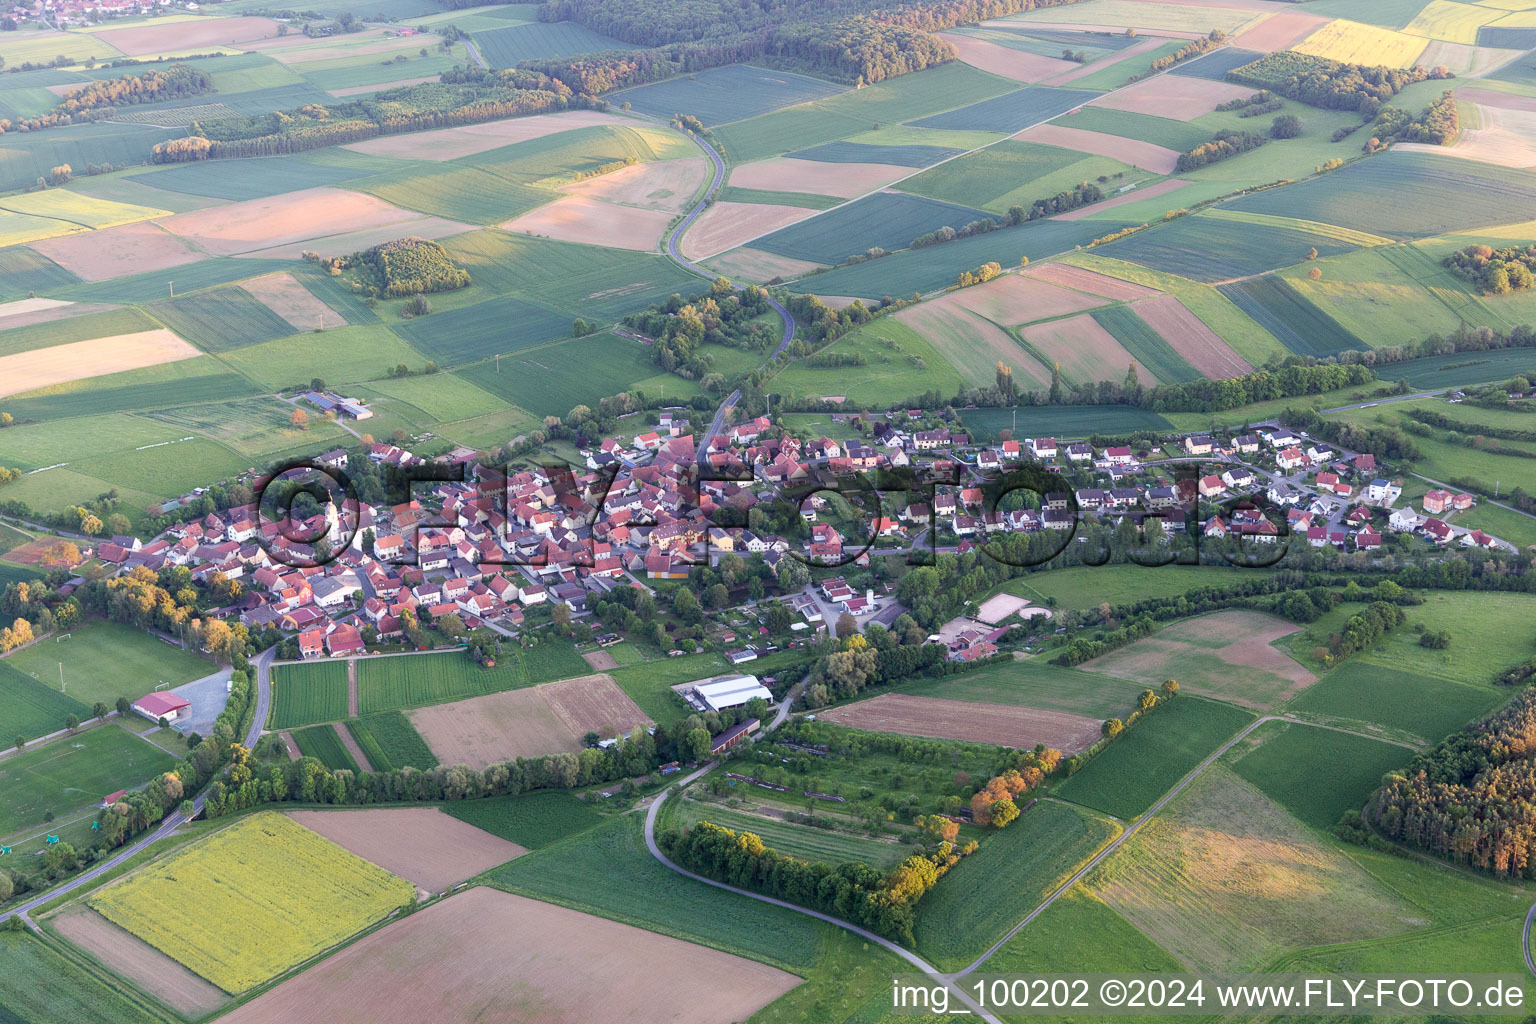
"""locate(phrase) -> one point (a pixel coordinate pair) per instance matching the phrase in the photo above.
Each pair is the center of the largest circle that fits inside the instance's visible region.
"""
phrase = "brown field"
(534, 963)
(188, 35)
(355, 241)
(1506, 137)
(726, 225)
(1202, 654)
(33, 552)
(1077, 71)
(58, 363)
(579, 219)
(113, 252)
(663, 185)
(751, 264)
(123, 954)
(1001, 724)
(1160, 188)
(1145, 155)
(818, 177)
(1279, 31)
(293, 302)
(526, 723)
(423, 845)
(22, 307)
(1014, 299)
(1089, 281)
(1191, 338)
(291, 217)
(451, 143)
(600, 661)
(1005, 61)
(358, 90)
(1083, 349)
(1489, 98)
(971, 343)
(1182, 99)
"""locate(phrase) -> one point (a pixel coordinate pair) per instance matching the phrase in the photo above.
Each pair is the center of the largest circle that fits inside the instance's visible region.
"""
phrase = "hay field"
(43, 367)
(591, 221)
(473, 951)
(269, 895)
(528, 722)
(142, 964)
(1157, 159)
(1227, 655)
(420, 844)
(1000, 724)
(1355, 43)
(289, 299)
(667, 185)
(291, 217)
(1173, 96)
(817, 177)
(130, 249)
(726, 225)
(451, 143)
(1082, 348)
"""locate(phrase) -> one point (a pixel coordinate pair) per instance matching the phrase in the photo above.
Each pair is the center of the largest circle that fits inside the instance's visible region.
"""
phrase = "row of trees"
(1194, 48)
(1227, 143)
(1364, 630)
(98, 99)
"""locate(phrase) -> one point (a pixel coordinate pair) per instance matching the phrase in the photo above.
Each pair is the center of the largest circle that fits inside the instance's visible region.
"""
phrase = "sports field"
(73, 773)
(104, 660)
(32, 709)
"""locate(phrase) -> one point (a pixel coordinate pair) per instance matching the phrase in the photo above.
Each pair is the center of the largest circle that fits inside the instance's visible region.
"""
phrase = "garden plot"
(130, 249)
(420, 844)
(667, 185)
(42, 367)
(1019, 65)
(1157, 159)
(289, 299)
(591, 221)
(1000, 724)
(726, 225)
(1173, 96)
(451, 143)
(485, 948)
(291, 217)
(817, 177)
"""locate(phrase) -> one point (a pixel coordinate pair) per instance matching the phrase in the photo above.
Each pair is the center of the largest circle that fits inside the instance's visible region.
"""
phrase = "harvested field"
(44, 366)
(293, 302)
(1279, 32)
(1001, 724)
(456, 958)
(579, 219)
(601, 661)
(48, 314)
(758, 265)
(817, 177)
(1083, 349)
(1191, 338)
(422, 845)
(726, 225)
(355, 241)
(187, 36)
(526, 723)
(1014, 299)
(663, 185)
(25, 307)
(1019, 65)
(1157, 159)
(452, 143)
(1489, 98)
(1227, 655)
(1173, 96)
(1088, 281)
(290, 217)
(125, 955)
(1506, 137)
(1152, 191)
(130, 249)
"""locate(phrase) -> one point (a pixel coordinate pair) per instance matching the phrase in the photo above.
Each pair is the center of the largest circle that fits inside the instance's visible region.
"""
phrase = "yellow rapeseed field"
(252, 900)
(1355, 43)
(1451, 21)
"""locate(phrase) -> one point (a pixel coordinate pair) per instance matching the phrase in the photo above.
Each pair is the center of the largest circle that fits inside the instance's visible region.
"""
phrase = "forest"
(1495, 271)
(408, 266)
(1330, 84)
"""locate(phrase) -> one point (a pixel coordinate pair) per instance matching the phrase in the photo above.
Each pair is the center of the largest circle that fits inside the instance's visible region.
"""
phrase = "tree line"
(1224, 145)
(1437, 124)
(98, 99)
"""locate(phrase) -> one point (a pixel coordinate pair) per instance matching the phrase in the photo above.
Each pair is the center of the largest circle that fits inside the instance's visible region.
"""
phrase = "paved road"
(1384, 401)
(868, 936)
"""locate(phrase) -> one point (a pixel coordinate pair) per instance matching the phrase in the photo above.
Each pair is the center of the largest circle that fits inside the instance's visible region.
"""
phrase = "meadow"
(1287, 314)
(1082, 587)
(1011, 112)
(812, 844)
(552, 380)
(1281, 759)
(649, 684)
(968, 911)
(103, 661)
(271, 894)
(731, 93)
(389, 742)
(501, 326)
(1210, 249)
(73, 773)
(347, 356)
(322, 742)
(186, 381)
(32, 709)
(504, 47)
(222, 319)
(1129, 775)
(1035, 683)
(43, 985)
(1461, 369)
(1140, 340)
(1060, 421)
(183, 280)
(1081, 933)
(890, 220)
(26, 157)
(1395, 700)
(531, 820)
(898, 363)
(388, 684)
(309, 693)
(1386, 294)
(196, 463)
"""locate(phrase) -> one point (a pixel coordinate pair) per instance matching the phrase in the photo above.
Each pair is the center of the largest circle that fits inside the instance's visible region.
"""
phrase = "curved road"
(172, 821)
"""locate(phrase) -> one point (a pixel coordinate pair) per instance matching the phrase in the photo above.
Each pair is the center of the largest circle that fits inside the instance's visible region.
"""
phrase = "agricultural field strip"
(894, 185)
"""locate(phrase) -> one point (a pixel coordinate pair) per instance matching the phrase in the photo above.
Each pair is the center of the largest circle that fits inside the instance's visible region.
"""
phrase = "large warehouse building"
(723, 692)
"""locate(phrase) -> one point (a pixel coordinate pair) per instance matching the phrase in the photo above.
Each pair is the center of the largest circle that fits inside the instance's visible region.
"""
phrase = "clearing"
(420, 844)
(1000, 724)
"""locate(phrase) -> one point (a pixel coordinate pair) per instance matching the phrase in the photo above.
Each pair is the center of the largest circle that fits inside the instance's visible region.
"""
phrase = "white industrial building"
(723, 692)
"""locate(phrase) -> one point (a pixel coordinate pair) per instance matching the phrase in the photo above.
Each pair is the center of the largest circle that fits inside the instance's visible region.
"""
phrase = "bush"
(1286, 126)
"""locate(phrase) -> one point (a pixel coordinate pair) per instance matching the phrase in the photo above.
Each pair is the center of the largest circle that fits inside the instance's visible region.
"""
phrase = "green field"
(349, 355)
(504, 47)
(87, 211)
(1011, 112)
(1147, 760)
(898, 364)
(73, 773)
(222, 319)
(1397, 699)
(25, 157)
(729, 93)
(1160, 131)
(649, 684)
(408, 681)
(552, 380)
(321, 741)
(1211, 249)
(500, 326)
(1384, 295)
(1035, 683)
(1149, 348)
(168, 471)
(454, 191)
(389, 742)
(42, 986)
(1462, 369)
(1080, 933)
(968, 910)
(984, 178)
(1283, 760)
(187, 278)
(79, 328)
(804, 200)
(802, 841)
(31, 709)
(23, 271)
(890, 220)
(309, 693)
(531, 820)
(1082, 587)
(103, 661)
(902, 155)
(1290, 316)
(1060, 421)
(200, 379)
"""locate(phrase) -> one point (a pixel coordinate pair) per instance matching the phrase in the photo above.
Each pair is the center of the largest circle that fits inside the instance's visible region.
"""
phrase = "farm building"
(723, 692)
(155, 706)
(732, 736)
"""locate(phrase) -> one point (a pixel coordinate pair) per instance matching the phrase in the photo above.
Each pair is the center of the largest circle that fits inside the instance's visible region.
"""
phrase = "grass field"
(1080, 933)
(41, 985)
(806, 200)
(1061, 421)
(1210, 249)
(260, 177)
(1287, 314)
(74, 773)
(531, 820)
(499, 326)
(1012, 112)
(222, 319)
(649, 684)
(107, 660)
(348, 355)
(82, 210)
(187, 278)
(309, 693)
(1035, 683)
(1149, 348)
(890, 220)
(730, 93)
(1159, 131)
(24, 157)
(1396, 700)
(968, 911)
(504, 47)
(898, 364)
(1282, 761)
(552, 380)
(31, 709)
(388, 684)
(1383, 295)
(1462, 369)
(1130, 774)
(811, 844)
(389, 742)
(321, 741)
(271, 894)
(1013, 173)
(1087, 587)
(23, 271)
